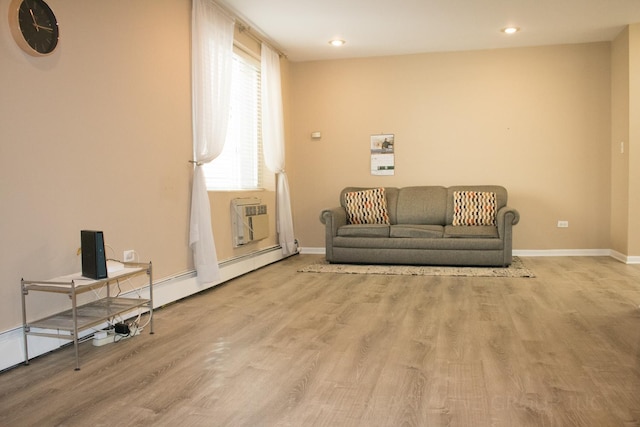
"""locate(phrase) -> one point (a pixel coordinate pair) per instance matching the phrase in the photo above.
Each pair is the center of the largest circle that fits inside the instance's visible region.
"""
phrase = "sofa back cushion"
(422, 205)
(500, 200)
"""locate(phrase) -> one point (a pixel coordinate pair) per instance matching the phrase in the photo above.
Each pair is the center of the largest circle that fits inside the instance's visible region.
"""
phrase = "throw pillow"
(474, 208)
(366, 207)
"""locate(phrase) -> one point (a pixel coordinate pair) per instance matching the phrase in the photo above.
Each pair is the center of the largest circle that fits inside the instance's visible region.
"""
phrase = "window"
(240, 166)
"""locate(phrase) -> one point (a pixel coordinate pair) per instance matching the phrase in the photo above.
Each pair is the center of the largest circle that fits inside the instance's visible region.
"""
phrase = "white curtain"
(273, 145)
(212, 48)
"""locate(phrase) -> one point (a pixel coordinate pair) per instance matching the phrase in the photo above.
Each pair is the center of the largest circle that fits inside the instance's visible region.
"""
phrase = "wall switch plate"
(563, 224)
(129, 256)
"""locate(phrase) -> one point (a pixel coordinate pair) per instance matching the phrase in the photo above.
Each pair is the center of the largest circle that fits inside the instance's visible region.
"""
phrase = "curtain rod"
(246, 29)
(225, 11)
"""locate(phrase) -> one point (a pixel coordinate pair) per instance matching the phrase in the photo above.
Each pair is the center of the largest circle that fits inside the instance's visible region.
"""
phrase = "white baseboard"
(624, 258)
(562, 252)
(165, 291)
(538, 253)
(313, 251)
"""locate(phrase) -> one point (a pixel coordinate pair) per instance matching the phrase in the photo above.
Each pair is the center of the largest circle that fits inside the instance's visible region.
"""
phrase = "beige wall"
(95, 136)
(620, 143)
(625, 166)
(98, 136)
(634, 139)
(536, 120)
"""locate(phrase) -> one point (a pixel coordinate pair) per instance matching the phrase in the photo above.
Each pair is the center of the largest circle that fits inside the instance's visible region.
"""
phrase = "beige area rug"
(516, 269)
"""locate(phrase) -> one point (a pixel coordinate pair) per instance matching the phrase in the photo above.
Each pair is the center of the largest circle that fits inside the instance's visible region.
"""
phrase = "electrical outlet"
(129, 256)
(563, 224)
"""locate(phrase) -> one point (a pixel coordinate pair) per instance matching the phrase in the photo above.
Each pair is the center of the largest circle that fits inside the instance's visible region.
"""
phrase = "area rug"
(516, 269)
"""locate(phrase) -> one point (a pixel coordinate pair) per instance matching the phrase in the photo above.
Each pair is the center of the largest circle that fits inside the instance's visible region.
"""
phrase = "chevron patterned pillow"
(366, 207)
(474, 208)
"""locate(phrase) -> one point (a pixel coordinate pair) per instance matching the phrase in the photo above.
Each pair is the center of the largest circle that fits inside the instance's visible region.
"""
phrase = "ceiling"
(301, 29)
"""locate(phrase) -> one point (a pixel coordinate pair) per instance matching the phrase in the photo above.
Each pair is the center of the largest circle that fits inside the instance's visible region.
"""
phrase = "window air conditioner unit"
(249, 220)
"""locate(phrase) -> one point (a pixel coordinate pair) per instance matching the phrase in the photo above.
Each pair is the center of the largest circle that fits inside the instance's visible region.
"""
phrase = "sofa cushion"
(367, 207)
(416, 230)
(408, 244)
(421, 205)
(479, 231)
(474, 208)
(364, 230)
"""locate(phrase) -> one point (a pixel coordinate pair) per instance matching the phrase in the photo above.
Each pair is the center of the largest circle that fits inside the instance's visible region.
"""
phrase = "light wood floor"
(281, 348)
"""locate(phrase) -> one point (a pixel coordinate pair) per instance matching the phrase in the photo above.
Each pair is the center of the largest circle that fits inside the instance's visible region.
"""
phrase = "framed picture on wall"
(382, 154)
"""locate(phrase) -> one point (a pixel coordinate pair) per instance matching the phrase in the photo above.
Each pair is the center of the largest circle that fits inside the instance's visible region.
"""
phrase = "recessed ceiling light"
(510, 30)
(337, 42)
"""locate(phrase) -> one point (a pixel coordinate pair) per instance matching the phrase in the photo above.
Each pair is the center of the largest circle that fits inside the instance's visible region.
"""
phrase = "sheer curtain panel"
(273, 145)
(212, 50)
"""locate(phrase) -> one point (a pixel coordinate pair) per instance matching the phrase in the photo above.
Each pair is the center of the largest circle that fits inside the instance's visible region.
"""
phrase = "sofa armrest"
(333, 219)
(506, 217)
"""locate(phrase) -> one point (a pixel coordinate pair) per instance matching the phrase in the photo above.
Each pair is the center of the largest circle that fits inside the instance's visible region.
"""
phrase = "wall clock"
(33, 26)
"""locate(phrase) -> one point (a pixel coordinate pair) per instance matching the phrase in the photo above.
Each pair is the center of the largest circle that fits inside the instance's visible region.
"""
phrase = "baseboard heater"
(249, 220)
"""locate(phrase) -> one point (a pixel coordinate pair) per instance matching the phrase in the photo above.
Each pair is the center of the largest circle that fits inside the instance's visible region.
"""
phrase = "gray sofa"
(421, 226)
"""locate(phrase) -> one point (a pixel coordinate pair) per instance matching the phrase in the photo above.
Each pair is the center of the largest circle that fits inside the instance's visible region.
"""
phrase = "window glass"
(240, 166)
